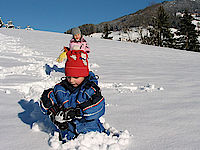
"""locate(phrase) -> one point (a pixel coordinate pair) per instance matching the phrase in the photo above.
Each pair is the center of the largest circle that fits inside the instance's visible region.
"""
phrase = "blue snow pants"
(83, 126)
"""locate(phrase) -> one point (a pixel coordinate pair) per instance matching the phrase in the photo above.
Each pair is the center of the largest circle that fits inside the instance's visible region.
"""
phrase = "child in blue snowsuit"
(75, 104)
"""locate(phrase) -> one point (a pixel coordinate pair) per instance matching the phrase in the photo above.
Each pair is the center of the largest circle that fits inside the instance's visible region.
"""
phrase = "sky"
(61, 15)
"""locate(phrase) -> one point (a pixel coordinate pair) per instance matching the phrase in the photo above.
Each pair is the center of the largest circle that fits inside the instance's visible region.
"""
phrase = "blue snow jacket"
(88, 98)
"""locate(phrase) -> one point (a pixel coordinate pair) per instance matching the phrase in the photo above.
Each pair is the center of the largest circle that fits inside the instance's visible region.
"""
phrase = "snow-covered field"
(152, 94)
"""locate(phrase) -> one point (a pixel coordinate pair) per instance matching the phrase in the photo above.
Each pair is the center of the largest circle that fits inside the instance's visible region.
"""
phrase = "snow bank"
(93, 141)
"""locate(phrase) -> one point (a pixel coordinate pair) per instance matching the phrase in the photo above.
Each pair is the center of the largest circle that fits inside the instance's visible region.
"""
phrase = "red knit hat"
(77, 64)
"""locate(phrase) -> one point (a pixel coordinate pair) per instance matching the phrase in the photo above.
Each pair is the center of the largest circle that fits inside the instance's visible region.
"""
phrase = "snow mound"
(117, 140)
(93, 141)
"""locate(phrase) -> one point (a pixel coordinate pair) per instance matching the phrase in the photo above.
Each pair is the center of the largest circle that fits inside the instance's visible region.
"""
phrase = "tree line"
(160, 34)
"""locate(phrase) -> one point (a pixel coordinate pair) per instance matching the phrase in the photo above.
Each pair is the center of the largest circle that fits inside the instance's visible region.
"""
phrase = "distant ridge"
(144, 16)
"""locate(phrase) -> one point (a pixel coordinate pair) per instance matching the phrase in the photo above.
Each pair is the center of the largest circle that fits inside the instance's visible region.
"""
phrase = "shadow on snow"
(32, 114)
(55, 68)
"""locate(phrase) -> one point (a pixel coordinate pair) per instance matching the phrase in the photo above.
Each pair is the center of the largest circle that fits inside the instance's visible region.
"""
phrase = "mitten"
(48, 101)
(59, 121)
(78, 113)
(66, 49)
(59, 117)
(53, 110)
(73, 113)
(63, 125)
(69, 114)
(62, 57)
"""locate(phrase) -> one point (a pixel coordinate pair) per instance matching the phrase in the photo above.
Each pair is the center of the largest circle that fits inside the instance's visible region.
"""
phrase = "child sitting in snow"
(75, 104)
(77, 42)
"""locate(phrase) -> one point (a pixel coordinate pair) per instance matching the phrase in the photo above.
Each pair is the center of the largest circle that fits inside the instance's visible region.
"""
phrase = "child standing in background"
(76, 43)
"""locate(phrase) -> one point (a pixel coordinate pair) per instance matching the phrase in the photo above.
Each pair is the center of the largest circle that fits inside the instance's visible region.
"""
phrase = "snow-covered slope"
(152, 94)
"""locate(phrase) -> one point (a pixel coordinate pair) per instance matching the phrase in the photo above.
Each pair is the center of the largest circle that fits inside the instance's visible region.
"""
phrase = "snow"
(152, 94)
(133, 34)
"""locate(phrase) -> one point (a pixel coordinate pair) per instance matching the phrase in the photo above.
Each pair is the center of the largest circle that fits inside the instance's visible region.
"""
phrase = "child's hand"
(69, 114)
(59, 117)
(48, 102)
(78, 113)
(54, 110)
(66, 49)
(73, 113)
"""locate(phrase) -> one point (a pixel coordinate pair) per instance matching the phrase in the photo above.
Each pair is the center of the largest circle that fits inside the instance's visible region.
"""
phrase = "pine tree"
(1, 22)
(106, 32)
(88, 29)
(188, 39)
(160, 34)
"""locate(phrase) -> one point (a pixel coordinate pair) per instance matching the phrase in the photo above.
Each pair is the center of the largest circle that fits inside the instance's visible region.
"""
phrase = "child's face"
(77, 36)
(75, 81)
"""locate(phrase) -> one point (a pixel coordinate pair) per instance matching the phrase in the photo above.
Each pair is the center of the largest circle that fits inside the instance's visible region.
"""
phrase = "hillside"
(151, 93)
(144, 16)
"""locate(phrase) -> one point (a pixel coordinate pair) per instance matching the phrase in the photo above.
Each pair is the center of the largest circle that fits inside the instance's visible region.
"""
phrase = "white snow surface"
(152, 94)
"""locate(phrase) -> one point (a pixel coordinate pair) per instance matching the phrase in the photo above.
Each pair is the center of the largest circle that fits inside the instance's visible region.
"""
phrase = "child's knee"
(89, 126)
